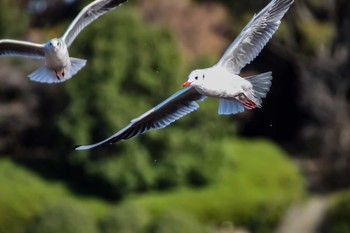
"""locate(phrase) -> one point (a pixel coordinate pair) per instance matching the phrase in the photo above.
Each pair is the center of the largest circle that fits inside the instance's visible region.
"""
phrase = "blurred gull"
(58, 67)
(220, 81)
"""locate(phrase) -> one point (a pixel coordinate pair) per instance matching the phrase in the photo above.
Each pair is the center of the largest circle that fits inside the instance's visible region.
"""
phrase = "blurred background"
(282, 168)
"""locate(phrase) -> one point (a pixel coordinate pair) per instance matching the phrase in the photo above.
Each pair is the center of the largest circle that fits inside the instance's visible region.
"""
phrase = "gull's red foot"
(243, 99)
(59, 74)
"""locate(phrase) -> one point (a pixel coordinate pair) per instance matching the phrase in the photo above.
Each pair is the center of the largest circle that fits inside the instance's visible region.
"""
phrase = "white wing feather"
(254, 36)
(21, 49)
(87, 15)
(162, 115)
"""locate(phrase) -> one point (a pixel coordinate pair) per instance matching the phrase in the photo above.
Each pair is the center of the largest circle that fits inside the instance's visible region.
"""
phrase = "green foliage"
(13, 19)
(176, 222)
(24, 194)
(254, 185)
(253, 188)
(337, 217)
(122, 75)
(237, 8)
(120, 81)
(125, 219)
(132, 67)
(266, 215)
(63, 216)
(316, 35)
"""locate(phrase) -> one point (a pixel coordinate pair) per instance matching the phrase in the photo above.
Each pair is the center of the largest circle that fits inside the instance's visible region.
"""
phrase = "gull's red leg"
(243, 99)
(59, 73)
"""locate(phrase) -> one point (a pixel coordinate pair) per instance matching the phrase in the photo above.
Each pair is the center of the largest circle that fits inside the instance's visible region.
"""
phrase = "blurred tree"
(325, 87)
(197, 37)
(13, 20)
(176, 222)
(307, 108)
(133, 66)
(27, 109)
(337, 216)
(49, 13)
(240, 7)
(64, 216)
(125, 219)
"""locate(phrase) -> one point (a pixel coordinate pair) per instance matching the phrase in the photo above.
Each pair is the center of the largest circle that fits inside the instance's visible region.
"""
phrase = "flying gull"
(220, 81)
(58, 67)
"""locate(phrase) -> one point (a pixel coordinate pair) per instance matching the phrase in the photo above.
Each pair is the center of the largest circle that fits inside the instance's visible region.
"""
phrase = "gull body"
(235, 93)
(57, 56)
(220, 81)
(59, 66)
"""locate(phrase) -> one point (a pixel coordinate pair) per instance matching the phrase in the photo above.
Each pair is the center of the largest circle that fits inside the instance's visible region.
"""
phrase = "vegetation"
(176, 222)
(240, 193)
(125, 219)
(337, 217)
(24, 195)
(200, 171)
(245, 187)
(10, 12)
(63, 216)
(132, 68)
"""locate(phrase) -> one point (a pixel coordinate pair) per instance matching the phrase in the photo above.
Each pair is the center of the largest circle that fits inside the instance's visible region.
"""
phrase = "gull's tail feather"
(75, 65)
(261, 86)
(228, 107)
(45, 75)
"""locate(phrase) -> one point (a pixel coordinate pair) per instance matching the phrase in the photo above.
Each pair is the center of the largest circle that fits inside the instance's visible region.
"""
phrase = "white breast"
(220, 83)
(57, 59)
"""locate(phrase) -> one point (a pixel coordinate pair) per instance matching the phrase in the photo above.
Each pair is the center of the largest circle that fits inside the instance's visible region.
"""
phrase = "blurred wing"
(21, 49)
(87, 15)
(165, 113)
(254, 36)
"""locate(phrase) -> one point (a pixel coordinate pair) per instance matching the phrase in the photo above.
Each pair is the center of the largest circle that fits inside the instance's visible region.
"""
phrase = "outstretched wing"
(21, 49)
(87, 15)
(165, 113)
(254, 36)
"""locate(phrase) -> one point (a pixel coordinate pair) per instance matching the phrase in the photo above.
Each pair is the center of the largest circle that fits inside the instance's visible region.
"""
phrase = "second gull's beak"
(186, 84)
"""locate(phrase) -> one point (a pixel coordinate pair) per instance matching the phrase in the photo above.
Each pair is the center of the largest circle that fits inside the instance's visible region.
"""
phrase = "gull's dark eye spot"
(196, 78)
(203, 76)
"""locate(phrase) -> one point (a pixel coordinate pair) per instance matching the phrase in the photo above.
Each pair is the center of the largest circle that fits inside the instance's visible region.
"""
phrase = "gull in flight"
(220, 81)
(58, 67)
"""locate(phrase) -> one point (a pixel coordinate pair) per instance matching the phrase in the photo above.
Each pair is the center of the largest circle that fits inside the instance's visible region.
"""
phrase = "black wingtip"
(75, 147)
(113, 4)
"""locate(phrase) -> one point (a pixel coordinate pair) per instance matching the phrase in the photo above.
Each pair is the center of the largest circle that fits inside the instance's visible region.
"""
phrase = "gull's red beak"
(186, 84)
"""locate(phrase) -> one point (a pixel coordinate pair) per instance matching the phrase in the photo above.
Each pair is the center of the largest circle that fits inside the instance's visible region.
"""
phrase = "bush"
(338, 214)
(253, 188)
(63, 216)
(176, 222)
(11, 14)
(24, 194)
(124, 219)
